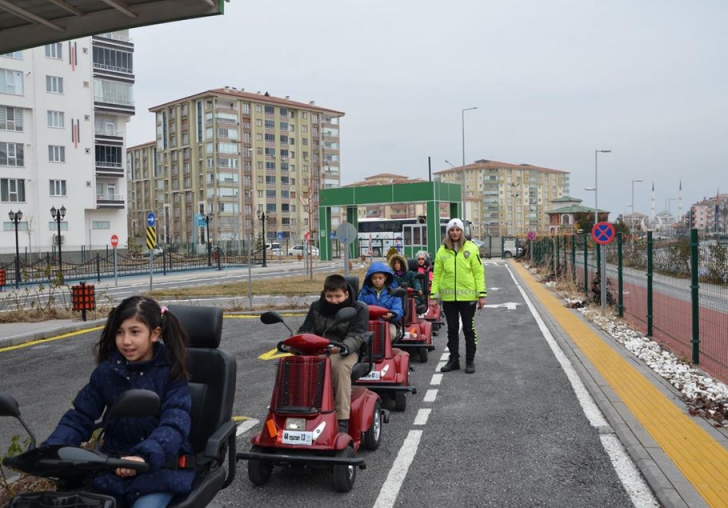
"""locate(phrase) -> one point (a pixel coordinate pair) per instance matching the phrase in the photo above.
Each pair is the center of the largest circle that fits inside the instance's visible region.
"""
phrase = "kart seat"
(212, 386)
(353, 281)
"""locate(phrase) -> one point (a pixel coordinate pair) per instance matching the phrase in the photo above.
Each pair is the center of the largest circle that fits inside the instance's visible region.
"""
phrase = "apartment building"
(389, 210)
(710, 214)
(234, 158)
(507, 199)
(63, 114)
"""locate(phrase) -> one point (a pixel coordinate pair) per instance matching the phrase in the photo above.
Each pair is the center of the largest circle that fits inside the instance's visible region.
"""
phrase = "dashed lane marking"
(390, 489)
(436, 379)
(422, 415)
(430, 396)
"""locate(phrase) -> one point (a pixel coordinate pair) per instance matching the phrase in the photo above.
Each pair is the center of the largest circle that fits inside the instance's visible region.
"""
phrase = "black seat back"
(353, 281)
(212, 371)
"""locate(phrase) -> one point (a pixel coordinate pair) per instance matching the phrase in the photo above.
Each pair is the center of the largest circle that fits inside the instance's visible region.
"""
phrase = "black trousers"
(466, 312)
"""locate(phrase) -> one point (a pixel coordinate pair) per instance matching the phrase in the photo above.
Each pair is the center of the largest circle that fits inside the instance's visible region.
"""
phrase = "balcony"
(109, 134)
(107, 168)
(110, 201)
(114, 104)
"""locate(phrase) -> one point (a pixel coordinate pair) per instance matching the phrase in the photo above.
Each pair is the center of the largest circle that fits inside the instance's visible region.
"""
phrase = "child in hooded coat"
(378, 282)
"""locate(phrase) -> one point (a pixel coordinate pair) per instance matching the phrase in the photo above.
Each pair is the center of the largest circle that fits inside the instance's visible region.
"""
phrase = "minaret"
(679, 202)
(652, 207)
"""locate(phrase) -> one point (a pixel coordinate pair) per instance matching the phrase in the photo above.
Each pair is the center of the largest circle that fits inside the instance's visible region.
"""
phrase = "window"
(100, 224)
(11, 119)
(56, 153)
(115, 92)
(54, 84)
(57, 187)
(113, 60)
(54, 50)
(11, 82)
(55, 119)
(12, 190)
(270, 110)
(11, 154)
(17, 55)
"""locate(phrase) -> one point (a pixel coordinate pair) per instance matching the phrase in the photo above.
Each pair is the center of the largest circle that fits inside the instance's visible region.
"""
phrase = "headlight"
(295, 424)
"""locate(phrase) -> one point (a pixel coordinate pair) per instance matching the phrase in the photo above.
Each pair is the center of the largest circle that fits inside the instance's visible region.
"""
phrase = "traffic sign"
(114, 241)
(307, 236)
(531, 235)
(151, 219)
(280, 235)
(603, 233)
(346, 233)
(151, 237)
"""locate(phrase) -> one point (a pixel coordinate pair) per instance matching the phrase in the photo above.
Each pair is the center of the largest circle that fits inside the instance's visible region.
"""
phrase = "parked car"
(298, 249)
(274, 248)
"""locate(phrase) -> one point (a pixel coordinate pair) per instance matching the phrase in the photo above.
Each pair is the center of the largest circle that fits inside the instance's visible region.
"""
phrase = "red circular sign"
(603, 232)
(114, 240)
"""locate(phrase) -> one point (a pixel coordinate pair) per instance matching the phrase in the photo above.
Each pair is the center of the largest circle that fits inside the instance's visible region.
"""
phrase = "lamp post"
(263, 217)
(208, 218)
(15, 218)
(58, 216)
(596, 183)
(462, 114)
(631, 222)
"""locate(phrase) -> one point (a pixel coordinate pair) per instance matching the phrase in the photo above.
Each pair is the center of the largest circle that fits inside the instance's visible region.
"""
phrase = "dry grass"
(291, 286)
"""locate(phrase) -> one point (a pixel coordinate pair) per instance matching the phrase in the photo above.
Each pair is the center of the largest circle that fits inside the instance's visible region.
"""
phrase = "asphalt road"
(512, 434)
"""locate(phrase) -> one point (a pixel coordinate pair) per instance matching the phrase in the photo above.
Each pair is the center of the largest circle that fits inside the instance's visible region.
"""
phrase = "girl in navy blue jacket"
(141, 346)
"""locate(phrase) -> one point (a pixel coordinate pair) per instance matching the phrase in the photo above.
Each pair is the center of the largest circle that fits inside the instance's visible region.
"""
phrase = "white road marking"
(445, 356)
(390, 489)
(436, 379)
(422, 415)
(246, 426)
(430, 396)
(635, 486)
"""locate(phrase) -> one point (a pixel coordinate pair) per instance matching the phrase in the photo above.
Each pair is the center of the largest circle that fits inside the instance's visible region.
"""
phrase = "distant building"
(564, 214)
(232, 155)
(507, 199)
(710, 214)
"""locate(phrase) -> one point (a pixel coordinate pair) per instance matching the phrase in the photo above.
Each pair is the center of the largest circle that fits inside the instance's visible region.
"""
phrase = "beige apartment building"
(234, 158)
(507, 199)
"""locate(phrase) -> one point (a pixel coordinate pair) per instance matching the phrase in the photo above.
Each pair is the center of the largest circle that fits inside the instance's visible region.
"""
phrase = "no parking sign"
(603, 233)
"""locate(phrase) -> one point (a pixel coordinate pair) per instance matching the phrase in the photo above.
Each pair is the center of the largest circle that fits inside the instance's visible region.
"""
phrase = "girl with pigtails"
(142, 346)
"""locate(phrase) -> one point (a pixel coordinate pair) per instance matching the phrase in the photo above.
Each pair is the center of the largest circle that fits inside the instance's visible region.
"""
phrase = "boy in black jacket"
(337, 294)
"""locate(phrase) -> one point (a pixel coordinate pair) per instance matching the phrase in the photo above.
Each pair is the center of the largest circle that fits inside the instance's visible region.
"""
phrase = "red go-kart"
(433, 312)
(301, 427)
(389, 376)
(416, 333)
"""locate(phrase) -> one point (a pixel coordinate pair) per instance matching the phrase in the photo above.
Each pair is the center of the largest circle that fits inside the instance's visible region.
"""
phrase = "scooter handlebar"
(139, 467)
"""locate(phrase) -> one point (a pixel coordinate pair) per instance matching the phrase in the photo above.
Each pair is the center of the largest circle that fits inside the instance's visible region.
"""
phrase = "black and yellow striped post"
(151, 239)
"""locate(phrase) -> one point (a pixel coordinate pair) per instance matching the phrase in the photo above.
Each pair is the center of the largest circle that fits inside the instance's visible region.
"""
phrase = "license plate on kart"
(374, 375)
(297, 437)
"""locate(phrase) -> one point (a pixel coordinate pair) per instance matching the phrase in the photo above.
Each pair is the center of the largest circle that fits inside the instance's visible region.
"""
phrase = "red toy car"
(389, 376)
(416, 332)
(301, 427)
(433, 312)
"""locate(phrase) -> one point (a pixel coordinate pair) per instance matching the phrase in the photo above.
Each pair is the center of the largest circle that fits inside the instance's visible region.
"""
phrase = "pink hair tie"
(164, 309)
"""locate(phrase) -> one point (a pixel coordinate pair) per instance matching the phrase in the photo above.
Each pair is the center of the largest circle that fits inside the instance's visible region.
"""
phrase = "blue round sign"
(151, 219)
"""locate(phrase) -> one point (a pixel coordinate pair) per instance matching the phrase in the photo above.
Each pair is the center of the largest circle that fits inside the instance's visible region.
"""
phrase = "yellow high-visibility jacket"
(459, 276)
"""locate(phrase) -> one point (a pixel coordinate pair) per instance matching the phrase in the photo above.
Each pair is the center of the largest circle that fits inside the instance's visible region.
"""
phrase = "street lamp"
(631, 222)
(596, 183)
(263, 217)
(15, 218)
(58, 216)
(462, 113)
(208, 218)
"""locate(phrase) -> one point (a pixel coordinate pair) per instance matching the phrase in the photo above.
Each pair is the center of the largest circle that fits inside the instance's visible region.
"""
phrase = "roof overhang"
(30, 23)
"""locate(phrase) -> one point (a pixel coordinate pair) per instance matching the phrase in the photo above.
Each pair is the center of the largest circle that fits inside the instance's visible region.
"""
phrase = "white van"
(274, 248)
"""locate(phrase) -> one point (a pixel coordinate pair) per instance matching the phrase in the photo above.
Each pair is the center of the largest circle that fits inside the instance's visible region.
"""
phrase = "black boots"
(344, 426)
(469, 367)
(451, 365)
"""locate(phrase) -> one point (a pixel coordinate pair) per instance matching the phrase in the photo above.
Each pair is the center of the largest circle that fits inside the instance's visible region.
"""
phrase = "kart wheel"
(400, 401)
(373, 436)
(344, 476)
(422, 355)
(259, 472)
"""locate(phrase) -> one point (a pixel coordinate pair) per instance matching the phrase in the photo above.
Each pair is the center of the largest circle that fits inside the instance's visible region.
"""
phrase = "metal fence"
(673, 290)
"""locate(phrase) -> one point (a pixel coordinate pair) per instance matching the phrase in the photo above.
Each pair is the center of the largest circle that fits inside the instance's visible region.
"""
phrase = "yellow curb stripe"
(699, 457)
(49, 339)
(257, 316)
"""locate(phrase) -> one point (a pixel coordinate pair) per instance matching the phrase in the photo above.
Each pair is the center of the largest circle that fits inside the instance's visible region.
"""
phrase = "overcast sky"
(553, 81)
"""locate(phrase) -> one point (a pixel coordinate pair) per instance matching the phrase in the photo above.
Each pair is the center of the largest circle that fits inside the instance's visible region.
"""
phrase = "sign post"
(346, 233)
(151, 243)
(603, 233)
(531, 237)
(115, 244)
